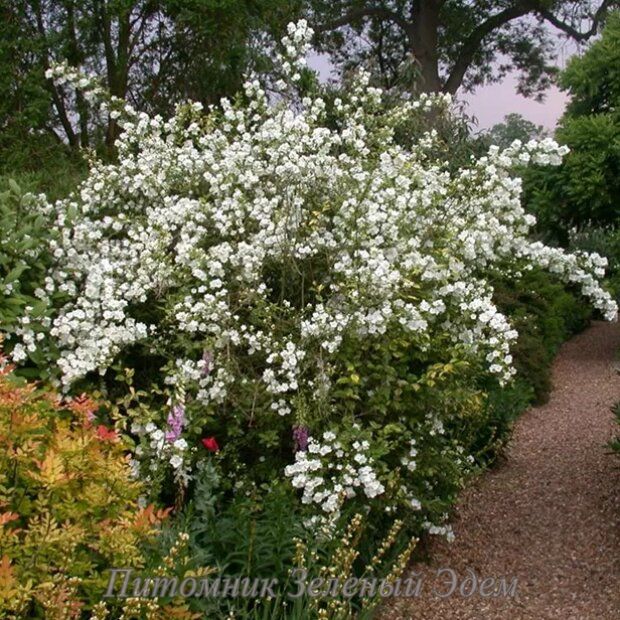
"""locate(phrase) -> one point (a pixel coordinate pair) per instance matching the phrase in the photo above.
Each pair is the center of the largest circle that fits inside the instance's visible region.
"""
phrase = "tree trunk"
(119, 76)
(423, 37)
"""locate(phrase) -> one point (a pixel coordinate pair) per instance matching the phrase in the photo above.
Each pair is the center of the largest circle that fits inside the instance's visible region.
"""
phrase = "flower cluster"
(159, 445)
(408, 461)
(329, 472)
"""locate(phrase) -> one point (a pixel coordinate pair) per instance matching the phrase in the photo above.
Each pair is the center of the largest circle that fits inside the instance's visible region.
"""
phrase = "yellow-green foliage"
(68, 505)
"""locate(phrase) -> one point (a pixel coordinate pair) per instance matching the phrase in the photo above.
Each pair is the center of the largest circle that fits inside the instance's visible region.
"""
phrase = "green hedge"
(545, 314)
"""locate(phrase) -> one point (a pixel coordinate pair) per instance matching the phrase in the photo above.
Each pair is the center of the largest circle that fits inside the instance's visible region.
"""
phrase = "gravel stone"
(549, 514)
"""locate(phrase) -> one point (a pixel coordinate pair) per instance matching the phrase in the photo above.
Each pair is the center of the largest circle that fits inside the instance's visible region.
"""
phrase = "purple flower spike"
(300, 437)
(207, 358)
(176, 421)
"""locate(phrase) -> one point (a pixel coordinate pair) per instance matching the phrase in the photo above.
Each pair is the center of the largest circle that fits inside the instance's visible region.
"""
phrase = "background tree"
(154, 53)
(514, 127)
(120, 40)
(25, 102)
(446, 45)
(215, 43)
(585, 189)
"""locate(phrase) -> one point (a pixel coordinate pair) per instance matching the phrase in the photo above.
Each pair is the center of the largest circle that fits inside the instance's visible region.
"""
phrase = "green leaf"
(15, 188)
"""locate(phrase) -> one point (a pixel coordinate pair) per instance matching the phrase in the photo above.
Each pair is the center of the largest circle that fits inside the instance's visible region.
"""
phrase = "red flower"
(210, 444)
(104, 433)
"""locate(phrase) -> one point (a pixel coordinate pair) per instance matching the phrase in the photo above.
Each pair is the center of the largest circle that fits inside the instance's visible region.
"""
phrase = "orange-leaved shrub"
(68, 503)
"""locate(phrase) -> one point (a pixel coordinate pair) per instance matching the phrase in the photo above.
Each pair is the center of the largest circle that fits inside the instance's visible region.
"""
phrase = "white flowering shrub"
(286, 262)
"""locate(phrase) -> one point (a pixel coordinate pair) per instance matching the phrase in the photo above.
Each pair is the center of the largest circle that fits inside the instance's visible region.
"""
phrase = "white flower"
(176, 461)
(333, 474)
(180, 444)
(19, 353)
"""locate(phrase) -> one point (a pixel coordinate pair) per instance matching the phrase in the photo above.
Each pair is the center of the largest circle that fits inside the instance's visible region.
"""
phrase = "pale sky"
(489, 104)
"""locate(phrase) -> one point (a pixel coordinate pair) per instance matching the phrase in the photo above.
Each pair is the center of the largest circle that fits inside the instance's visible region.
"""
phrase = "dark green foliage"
(258, 532)
(214, 45)
(545, 314)
(504, 406)
(24, 256)
(50, 171)
(154, 54)
(248, 531)
(25, 100)
(588, 183)
(514, 127)
(604, 241)
(586, 188)
(593, 79)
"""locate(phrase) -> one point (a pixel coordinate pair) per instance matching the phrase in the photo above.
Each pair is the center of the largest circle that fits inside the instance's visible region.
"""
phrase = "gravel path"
(549, 515)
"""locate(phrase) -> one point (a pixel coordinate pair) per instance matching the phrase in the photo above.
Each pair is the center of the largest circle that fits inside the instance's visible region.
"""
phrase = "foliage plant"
(68, 503)
(604, 240)
(514, 127)
(584, 189)
(154, 53)
(261, 533)
(24, 257)
(545, 314)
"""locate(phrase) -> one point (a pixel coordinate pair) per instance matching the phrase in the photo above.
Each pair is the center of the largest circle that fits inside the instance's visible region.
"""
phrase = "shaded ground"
(549, 515)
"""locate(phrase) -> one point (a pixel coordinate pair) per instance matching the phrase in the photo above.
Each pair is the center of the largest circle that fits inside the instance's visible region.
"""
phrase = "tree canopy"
(446, 45)
(586, 187)
(153, 53)
(514, 127)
